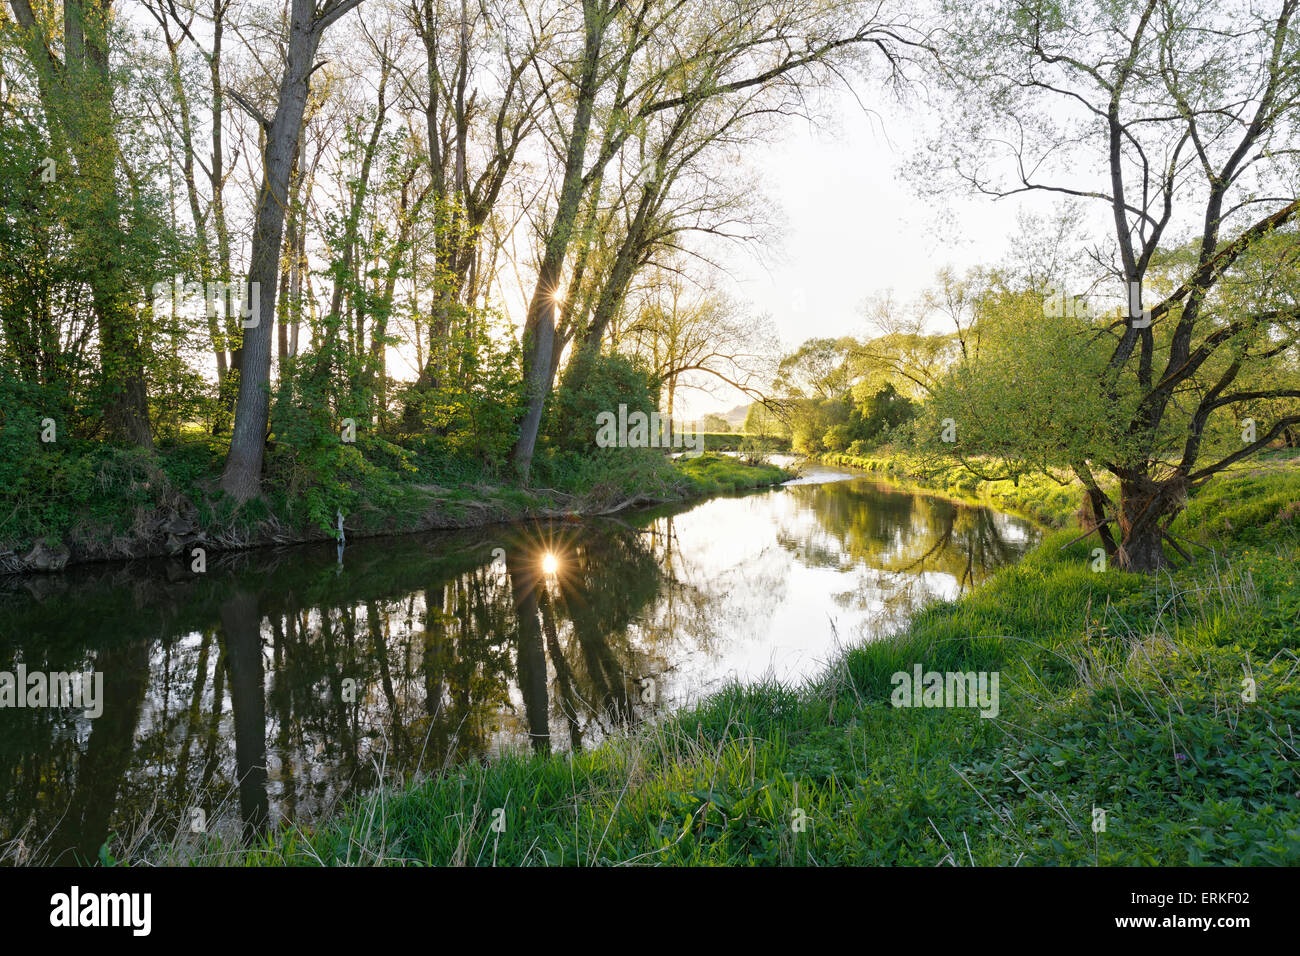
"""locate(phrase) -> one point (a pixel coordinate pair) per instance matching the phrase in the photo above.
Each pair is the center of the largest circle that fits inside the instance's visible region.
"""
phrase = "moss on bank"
(1159, 707)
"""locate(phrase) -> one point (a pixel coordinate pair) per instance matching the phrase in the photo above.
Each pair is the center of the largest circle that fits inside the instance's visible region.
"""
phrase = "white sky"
(854, 228)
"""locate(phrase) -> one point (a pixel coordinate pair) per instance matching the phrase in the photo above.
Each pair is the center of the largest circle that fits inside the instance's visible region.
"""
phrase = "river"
(279, 682)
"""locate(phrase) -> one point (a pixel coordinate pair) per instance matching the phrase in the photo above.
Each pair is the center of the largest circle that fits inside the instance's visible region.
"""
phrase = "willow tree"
(1177, 122)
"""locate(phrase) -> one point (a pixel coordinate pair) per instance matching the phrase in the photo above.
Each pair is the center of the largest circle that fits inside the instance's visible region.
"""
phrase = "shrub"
(594, 383)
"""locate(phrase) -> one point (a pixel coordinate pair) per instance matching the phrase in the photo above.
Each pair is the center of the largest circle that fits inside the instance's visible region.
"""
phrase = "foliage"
(595, 383)
(468, 413)
(763, 421)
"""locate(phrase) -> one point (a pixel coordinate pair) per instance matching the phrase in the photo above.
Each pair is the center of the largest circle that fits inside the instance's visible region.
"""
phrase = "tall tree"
(207, 208)
(308, 22)
(647, 58)
(473, 140)
(78, 91)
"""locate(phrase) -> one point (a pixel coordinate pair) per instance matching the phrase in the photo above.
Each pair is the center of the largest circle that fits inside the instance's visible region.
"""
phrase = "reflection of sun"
(549, 563)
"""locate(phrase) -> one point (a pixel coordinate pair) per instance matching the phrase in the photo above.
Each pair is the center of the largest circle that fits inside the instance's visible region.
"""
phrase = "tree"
(207, 211)
(242, 475)
(647, 58)
(78, 91)
(1189, 113)
(818, 369)
(690, 336)
(473, 139)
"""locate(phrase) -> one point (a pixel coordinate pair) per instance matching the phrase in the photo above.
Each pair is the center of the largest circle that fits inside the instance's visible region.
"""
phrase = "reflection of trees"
(226, 692)
(706, 600)
(903, 532)
(240, 623)
(566, 692)
(459, 646)
(108, 753)
(530, 670)
(581, 620)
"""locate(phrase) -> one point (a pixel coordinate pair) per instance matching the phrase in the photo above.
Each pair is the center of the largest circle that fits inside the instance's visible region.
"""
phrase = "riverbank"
(1139, 720)
(1052, 500)
(130, 505)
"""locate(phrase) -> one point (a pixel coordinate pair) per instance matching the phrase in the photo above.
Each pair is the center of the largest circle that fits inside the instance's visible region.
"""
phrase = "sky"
(855, 227)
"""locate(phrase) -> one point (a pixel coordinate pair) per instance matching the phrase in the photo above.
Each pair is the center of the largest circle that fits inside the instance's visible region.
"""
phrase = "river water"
(280, 682)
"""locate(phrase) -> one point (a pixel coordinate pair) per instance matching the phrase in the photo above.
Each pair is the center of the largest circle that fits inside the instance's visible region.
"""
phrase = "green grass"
(714, 474)
(1120, 693)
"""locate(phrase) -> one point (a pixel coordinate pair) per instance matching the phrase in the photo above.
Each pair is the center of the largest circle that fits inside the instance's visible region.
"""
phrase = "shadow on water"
(280, 682)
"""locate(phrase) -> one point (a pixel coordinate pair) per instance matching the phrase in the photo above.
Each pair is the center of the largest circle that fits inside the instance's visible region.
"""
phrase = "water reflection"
(275, 685)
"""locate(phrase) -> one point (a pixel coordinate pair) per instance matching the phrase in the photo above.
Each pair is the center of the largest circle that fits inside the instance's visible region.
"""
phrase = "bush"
(314, 473)
(594, 383)
(469, 415)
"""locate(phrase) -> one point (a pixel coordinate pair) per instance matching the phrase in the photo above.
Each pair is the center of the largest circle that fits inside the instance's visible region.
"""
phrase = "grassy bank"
(120, 504)
(1051, 501)
(713, 474)
(1121, 698)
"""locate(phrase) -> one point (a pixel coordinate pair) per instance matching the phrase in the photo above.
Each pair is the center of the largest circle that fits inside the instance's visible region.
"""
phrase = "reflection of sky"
(770, 584)
(777, 611)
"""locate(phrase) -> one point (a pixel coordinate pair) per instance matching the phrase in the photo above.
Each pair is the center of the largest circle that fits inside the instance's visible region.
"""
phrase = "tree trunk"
(127, 400)
(243, 471)
(539, 326)
(1146, 507)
